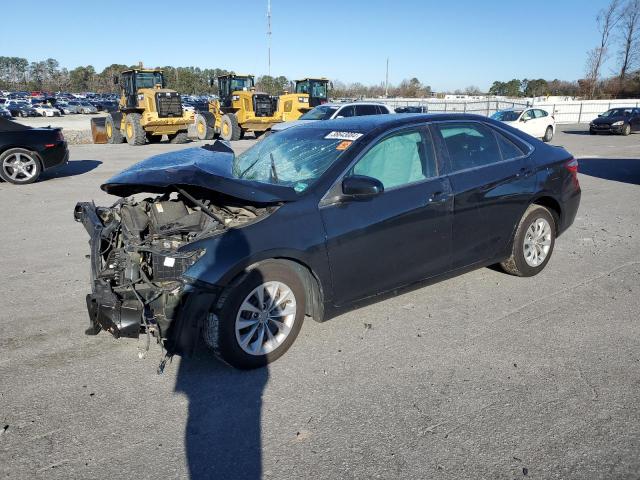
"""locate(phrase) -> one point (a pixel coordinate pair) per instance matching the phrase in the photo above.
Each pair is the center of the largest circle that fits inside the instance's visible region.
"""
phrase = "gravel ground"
(481, 376)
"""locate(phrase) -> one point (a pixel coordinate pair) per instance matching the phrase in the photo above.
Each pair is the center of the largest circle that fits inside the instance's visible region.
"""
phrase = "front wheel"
(626, 130)
(229, 128)
(259, 318)
(548, 134)
(532, 244)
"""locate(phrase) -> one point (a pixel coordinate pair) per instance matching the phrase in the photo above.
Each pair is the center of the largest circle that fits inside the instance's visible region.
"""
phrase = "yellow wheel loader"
(241, 109)
(147, 110)
(316, 88)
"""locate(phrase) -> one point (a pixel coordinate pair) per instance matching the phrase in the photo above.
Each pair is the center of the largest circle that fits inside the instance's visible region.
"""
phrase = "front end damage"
(140, 254)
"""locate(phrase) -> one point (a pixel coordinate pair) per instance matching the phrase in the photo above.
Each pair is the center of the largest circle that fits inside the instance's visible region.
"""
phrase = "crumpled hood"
(208, 167)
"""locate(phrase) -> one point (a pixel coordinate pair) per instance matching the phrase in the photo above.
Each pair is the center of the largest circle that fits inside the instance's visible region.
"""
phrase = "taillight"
(572, 166)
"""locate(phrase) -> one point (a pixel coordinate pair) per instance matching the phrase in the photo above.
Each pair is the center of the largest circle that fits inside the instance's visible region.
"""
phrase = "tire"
(548, 134)
(626, 130)
(229, 128)
(592, 132)
(21, 114)
(133, 131)
(519, 262)
(180, 137)
(112, 131)
(220, 332)
(204, 126)
(28, 171)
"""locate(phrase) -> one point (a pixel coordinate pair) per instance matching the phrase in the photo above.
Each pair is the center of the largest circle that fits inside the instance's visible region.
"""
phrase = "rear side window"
(508, 148)
(540, 113)
(382, 109)
(470, 145)
(528, 115)
(366, 110)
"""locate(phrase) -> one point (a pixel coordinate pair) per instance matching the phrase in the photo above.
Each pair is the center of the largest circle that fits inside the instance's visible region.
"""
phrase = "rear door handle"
(436, 197)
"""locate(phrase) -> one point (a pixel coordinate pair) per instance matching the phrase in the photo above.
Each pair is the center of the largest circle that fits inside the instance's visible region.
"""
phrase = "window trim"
(509, 135)
(327, 200)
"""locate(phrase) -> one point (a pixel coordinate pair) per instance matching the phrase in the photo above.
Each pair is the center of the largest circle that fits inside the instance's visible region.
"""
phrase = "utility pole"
(269, 36)
(386, 81)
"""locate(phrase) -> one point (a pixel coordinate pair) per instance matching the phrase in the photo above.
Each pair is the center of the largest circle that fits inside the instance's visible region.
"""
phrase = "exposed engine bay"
(141, 248)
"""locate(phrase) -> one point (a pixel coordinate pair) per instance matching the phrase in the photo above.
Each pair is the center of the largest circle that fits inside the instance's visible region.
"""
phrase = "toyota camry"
(315, 221)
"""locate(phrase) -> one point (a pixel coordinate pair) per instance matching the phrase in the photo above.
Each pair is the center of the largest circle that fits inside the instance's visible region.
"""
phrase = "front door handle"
(524, 172)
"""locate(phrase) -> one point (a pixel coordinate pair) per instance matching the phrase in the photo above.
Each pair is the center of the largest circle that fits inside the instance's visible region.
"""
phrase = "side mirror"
(115, 80)
(361, 187)
(599, 115)
(523, 119)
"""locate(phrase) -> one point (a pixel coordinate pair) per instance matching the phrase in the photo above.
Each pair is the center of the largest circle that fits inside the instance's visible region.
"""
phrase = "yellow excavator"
(241, 109)
(147, 110)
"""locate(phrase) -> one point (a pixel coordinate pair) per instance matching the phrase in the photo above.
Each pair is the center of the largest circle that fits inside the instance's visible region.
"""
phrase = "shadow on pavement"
(75, 167)
(576, 132)
(222, 437)
(625, 170)
(223, 432)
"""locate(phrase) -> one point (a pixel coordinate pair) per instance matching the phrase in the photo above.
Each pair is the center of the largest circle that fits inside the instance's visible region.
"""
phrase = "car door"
(400, 236)
(492, 182)
(635, 120)
(528, 123)
(541, 122)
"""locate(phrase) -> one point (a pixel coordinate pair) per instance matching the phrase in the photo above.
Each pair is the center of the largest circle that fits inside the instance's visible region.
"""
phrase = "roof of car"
(348, 104)
(371, 122)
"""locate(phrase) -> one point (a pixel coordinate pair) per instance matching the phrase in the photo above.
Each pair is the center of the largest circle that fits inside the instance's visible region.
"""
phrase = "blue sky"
(446, 44)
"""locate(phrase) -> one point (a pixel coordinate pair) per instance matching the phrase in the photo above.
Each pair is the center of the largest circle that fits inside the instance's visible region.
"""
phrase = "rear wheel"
(229, 129)
(180, 137)
(112, 130)
(532, 244)
(133, 130)
(19, 166)
(259, 317)
(204, 126)
(548, 134)
(626, 129)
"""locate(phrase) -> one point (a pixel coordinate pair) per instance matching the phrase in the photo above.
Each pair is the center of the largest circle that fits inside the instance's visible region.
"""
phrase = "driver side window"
(399, 159)
(528, 115)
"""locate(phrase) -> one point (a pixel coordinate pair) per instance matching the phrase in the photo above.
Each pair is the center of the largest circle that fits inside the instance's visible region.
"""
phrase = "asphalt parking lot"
(481, 376)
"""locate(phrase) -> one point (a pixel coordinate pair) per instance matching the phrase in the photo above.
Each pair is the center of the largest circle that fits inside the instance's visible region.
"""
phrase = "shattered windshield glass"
(296, 158)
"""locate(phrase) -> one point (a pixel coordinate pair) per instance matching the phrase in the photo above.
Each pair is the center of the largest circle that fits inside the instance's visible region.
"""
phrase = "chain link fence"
(564, 111)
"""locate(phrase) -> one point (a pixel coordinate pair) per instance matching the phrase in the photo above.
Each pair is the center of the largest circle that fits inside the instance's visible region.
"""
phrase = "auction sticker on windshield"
(344, 136)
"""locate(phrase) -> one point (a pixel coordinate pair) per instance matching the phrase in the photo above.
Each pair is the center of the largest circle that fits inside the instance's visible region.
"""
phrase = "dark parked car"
(22, 110)
(411, 109)
(26, 152)
(622, 121)
(315, 221)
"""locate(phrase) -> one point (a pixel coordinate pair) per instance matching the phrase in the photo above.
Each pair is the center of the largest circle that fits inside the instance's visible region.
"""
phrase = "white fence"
(564, 111)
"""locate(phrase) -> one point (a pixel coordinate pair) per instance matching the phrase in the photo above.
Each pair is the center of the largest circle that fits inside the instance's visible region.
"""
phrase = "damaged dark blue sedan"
(315, 221)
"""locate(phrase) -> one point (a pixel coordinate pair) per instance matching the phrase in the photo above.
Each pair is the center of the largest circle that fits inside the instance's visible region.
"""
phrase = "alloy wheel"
(537, 242)
(265, 318)
(19, 167)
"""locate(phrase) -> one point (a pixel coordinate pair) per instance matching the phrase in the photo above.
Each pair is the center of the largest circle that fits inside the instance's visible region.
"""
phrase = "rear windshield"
(296, 157)
(322, 112)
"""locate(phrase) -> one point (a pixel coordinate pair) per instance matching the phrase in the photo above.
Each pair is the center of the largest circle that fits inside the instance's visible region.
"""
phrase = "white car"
(534, 121)
(328, 111)
(46, 110)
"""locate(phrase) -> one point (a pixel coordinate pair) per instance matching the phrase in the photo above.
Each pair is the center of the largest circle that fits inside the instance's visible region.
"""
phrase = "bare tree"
(607, 19)
(630, 33)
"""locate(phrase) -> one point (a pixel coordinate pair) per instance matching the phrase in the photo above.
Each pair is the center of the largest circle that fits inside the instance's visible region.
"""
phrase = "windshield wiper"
(274, 174)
